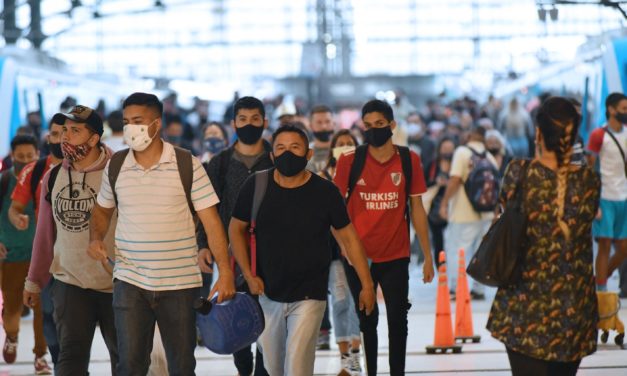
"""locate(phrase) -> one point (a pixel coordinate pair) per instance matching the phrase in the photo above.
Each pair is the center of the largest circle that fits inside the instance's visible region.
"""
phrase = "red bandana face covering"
(75, 153)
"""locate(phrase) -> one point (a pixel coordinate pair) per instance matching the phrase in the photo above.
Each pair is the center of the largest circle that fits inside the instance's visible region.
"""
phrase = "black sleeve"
(337, 209)
(212, 169)
(244, 203)
(201, 235)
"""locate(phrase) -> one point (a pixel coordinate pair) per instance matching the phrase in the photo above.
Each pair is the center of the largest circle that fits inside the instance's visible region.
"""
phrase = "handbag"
(497, 262)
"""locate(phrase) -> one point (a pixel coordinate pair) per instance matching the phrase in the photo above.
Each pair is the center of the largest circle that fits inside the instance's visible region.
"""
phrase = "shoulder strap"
(403, 151)
(4, 185)
(186, 172)
(51, 180)
(356, 168)
(35, 177)
(261, 185)
(476, 153)
(622, 152)
(115, 165)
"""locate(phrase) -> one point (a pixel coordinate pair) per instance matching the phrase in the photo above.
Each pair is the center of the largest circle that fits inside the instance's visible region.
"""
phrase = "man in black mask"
(297, 213)
(227, 171)
(322, 126)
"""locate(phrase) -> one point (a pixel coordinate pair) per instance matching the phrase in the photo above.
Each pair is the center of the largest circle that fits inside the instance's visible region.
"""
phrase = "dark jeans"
(50, 328)
(243, 358)
(393, 276)
(326, 323)
(77, 311)
(523, 365)
(437, 235)
(136, 312)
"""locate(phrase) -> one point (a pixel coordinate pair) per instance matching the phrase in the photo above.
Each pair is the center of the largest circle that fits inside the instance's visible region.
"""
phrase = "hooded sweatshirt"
(62, 235)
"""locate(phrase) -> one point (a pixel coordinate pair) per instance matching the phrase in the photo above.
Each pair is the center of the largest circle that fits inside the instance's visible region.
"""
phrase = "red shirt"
(377, 204)
(22, 193)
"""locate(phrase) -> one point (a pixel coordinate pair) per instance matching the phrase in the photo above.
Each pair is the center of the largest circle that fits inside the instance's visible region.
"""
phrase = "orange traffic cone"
(463, 311)
(443, 340)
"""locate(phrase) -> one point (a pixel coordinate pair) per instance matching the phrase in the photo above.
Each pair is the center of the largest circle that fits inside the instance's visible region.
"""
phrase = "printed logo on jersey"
(380, 201)
(361, 182)
(396, 178)
(72, 209)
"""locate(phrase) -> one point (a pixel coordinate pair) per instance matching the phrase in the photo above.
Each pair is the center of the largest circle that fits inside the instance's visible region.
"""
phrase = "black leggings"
(523, 365)
(393, 276)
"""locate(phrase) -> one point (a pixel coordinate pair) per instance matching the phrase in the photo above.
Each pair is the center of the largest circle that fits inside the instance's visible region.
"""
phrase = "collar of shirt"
(167, 156)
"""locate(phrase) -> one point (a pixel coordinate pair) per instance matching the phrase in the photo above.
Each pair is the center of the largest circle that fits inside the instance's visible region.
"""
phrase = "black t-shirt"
(293, 231)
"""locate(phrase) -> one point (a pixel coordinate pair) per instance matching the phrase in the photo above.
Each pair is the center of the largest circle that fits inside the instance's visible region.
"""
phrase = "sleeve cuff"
(32, 287)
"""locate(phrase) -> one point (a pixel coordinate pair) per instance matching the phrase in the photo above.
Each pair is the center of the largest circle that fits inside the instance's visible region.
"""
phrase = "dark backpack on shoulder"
(4, 185)
(482, 185)
(35, 178)
(361, 153)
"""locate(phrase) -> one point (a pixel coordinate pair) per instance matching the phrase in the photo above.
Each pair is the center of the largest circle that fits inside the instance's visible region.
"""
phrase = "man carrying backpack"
(82, 288)
(227, 171)
(156, 188)
(383, 183)
(472, 193)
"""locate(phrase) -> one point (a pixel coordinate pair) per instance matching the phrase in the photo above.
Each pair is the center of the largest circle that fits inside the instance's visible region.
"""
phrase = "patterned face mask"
(75, 153)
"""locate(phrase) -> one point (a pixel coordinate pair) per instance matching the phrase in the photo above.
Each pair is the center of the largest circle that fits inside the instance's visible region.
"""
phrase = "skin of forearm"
(99, 222)
(239, 246)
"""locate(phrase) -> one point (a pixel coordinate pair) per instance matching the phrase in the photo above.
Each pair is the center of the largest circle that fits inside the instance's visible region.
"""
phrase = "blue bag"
(232, 325)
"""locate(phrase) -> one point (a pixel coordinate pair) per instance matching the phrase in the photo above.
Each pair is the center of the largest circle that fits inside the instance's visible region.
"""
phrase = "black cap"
(83, 114)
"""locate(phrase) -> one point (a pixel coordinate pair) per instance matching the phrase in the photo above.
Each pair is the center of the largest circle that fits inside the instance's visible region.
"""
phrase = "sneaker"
(9, 351)
(346, 363)
(477, 295)
(41, 366)
(324, 340)
(452, 294)
(355, 364)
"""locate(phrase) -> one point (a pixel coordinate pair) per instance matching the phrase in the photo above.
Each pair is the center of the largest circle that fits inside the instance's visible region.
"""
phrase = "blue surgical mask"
(214, 145)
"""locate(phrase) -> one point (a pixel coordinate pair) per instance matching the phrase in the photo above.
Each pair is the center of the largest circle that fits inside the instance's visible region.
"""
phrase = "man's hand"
(205, 260)
(255, 285)
(3, 252)
(225, 286)
(427, 271)
(443, 210)
(20, 221)
(367, 300)
(97, 250)
(31, 299)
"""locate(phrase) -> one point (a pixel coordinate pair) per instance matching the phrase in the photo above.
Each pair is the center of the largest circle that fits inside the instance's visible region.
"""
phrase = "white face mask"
(341, 150)
(136, 136)
(413, 129)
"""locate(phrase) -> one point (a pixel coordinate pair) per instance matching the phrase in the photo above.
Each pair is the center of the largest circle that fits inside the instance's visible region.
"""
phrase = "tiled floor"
(485, 358)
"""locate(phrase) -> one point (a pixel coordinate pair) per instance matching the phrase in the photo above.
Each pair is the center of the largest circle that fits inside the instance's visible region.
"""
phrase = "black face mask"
(323, 136)
(290, 164)
(249, 134)
(377, 137)
(55, 149)
(18, 167)
(446, 156)
(621, 117)
(494, 151)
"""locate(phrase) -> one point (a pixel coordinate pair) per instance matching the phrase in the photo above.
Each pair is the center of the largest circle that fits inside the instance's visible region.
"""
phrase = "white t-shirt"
(460, 208)
(612, 165)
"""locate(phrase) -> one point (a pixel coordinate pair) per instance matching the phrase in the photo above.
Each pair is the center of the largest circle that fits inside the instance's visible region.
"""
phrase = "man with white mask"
(157, 265)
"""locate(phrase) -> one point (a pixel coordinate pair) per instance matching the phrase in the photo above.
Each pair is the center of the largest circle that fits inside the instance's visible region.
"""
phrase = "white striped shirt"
(155, 236)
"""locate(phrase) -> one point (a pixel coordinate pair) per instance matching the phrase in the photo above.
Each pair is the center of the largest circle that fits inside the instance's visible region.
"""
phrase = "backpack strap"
(186, 172)
(35, 177)
(115, 165)
(261, 185)
(403, 151)
(54, 172)
(356, 168)
(620, 149)
(4, 185)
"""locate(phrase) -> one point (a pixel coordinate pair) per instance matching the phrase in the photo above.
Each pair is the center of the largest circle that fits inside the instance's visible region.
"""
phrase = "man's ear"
(265, 123)
(93, 140)
(393, 124)
(309, 154)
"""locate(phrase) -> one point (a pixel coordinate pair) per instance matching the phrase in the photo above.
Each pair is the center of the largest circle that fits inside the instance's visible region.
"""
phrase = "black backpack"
(183, 161)
(361, 152)
(482, 186)
(35, 178)
(4, 185)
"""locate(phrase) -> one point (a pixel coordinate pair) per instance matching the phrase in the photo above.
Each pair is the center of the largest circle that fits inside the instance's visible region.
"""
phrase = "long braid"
(564, 155)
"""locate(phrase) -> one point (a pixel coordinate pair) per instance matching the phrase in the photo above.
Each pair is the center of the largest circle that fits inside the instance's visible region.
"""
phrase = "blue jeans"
(288, 342)
(136, 312)
(50, 328)
(345, 318)
(467, 236)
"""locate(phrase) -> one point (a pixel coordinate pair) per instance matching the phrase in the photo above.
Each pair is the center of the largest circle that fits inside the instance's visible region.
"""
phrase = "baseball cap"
(83, 114)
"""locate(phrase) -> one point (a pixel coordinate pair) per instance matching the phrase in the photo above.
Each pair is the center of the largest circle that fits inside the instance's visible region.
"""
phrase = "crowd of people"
(102, 227)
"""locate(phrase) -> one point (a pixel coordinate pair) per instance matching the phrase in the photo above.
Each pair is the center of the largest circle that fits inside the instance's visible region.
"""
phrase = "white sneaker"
(346, 364)
(355, 364)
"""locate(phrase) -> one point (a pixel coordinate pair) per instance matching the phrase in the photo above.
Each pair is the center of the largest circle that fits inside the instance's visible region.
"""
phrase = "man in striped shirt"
(157, 265)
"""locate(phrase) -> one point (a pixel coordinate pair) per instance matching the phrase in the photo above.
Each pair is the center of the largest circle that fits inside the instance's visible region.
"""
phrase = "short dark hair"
(220, 127)
(57, 119)
(23, 139)
(379, 106)
(116, 121)
(294, 129)
(249, 103)
(613, 100)
(144, 99)
(171, 119)
(320, 109)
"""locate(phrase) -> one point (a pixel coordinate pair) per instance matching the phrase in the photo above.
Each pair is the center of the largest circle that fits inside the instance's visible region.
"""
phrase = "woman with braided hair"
(547, 320)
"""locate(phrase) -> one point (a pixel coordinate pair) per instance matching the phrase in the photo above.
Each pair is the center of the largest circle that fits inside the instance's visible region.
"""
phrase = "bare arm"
(216, 237)
(239, 245)
(98, 227)
(17, 216)
(454, 183)
(419, 221)
(348, 238)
